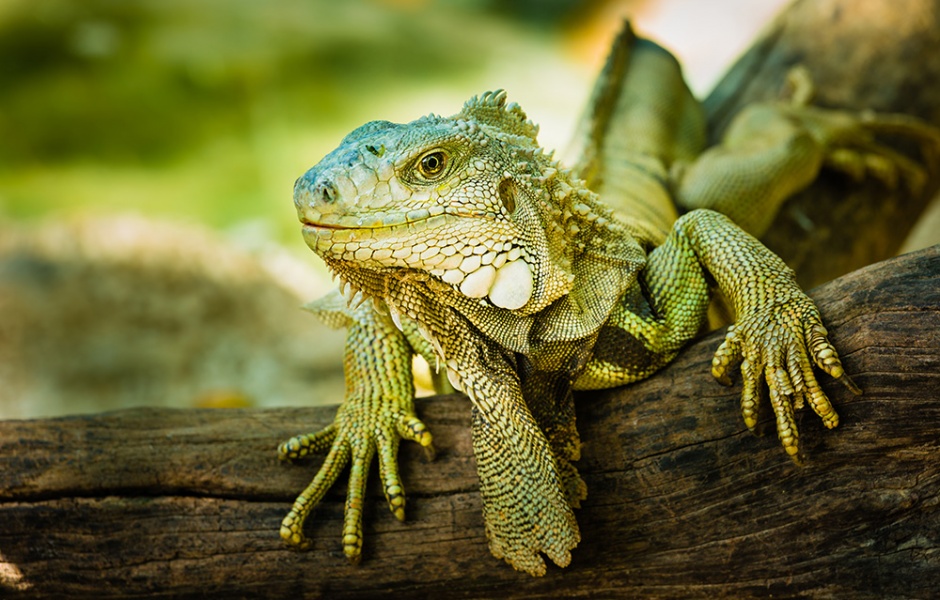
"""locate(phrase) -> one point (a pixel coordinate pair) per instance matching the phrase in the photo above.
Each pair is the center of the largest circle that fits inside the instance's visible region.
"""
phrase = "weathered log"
(683, 501)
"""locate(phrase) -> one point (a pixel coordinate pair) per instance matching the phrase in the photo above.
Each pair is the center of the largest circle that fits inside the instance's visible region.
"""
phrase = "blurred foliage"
(144, 80)
(206, 109)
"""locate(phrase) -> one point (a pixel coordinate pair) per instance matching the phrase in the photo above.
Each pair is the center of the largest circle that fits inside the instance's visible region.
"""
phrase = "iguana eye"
(432, 164)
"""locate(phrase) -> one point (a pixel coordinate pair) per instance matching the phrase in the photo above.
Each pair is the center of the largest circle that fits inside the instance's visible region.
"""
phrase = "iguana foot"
(851, 147)
(870, 159)
(777, 344)
(527, 524)
(351, 440)
(850, 140)
(525, 508)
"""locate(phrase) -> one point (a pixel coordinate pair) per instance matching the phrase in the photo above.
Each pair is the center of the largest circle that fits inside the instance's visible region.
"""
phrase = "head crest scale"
(490, 109)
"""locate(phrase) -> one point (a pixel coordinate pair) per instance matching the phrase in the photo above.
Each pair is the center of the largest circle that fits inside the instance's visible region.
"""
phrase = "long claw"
(827, 358)
(308, 443)
(293, 524)
(412, 429)
(727, 357)
(797, 377)
(751, 394)
(845, 380)
(786, 423)
(352, 522)
(391, 481)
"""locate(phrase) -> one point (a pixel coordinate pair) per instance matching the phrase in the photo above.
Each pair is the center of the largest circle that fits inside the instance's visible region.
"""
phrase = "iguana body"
(459, 239)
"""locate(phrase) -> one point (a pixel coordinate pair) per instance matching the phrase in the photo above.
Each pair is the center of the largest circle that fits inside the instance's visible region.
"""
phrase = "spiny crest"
(490, 109)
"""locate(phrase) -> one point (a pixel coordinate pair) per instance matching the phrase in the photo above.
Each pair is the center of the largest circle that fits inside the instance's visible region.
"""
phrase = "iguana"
(459, 239)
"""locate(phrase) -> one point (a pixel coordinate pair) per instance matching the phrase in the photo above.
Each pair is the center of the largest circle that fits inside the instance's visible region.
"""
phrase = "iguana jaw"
(492, 269)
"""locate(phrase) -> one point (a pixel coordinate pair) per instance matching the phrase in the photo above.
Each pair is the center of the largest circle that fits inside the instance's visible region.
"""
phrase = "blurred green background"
(207, 111)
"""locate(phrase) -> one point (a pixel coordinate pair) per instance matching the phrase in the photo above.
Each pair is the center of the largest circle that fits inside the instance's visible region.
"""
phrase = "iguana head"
(468, 213)
(470, 200)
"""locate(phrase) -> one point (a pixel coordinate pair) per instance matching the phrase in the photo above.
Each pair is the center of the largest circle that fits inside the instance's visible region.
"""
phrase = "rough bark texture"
(875, 55)
(683, 501)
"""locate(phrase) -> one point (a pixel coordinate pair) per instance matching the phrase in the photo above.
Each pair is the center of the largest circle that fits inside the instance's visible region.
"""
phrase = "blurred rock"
(106, 313)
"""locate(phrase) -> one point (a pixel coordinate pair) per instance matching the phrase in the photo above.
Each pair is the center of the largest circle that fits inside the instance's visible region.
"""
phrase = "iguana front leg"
(777, 337)
(525, 507)
(778, 334)
(377, 412)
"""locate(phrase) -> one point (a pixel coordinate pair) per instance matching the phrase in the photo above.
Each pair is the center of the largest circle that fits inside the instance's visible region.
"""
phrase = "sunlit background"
(207, 111)
(147, 144)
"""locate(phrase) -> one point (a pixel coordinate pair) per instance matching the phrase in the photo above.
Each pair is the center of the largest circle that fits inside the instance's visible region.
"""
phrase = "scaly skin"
(459, 239)
(378, 410)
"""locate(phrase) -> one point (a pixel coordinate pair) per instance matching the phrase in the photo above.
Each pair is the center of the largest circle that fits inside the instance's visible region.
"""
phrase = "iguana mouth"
(364, 223)
(313, 225)
(435, 215)
(354, 228)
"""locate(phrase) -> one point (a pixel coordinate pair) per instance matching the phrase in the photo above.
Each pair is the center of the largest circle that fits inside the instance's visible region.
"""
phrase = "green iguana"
(459, 239)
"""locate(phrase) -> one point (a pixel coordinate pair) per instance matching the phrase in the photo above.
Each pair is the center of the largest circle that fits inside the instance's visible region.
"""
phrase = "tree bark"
(683, 501)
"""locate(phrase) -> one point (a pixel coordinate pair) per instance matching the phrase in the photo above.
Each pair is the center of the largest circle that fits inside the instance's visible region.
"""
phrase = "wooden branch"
(862, 55)
(683, 501)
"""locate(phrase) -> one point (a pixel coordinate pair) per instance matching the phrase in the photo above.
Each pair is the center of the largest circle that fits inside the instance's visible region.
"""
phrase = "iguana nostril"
(325, 192)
